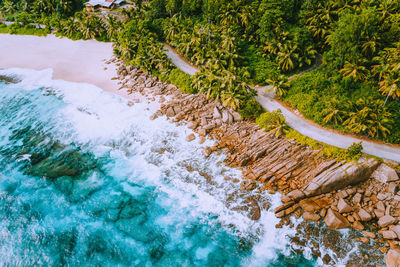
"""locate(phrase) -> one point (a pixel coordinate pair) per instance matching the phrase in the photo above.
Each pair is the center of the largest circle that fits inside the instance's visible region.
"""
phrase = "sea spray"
(88, 179)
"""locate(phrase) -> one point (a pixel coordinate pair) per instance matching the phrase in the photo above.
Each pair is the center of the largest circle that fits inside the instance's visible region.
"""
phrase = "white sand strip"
(74, 61)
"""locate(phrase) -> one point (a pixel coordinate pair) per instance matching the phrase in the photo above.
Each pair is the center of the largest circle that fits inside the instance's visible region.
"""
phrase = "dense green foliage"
(182, 80)
(137, 45)
(273, 122)
(241, 42)
(62, 17)
(250, 109)
(360, 42)
(39, 8)
(258, 40)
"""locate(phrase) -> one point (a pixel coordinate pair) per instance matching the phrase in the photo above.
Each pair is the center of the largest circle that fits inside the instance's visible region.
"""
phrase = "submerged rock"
(9, 79)
(190, 137)
(70, 163)
(64, 184)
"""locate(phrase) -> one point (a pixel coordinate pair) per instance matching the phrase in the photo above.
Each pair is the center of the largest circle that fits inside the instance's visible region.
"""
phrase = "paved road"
(179, 61)
(300, 124)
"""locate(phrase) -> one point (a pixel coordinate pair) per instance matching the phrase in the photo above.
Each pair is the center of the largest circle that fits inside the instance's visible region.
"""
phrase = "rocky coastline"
(362, 195)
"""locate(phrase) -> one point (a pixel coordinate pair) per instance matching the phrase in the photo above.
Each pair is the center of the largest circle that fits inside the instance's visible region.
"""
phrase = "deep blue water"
(86, 180)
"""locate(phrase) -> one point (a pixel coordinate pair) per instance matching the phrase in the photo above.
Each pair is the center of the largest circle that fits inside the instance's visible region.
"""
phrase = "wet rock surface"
(9, 79)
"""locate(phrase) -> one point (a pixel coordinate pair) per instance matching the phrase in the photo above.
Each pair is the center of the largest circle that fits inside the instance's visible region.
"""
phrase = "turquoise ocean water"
(87, 180)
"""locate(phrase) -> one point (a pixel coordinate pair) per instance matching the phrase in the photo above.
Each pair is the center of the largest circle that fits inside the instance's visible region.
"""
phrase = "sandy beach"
(74, 61)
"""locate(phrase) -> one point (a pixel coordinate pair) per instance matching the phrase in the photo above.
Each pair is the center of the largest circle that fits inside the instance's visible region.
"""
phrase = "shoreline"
(74, 61)
(218, 123)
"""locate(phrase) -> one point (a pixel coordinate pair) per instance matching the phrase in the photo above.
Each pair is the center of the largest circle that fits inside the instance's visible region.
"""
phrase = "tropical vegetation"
(241, 42)
(273, 122)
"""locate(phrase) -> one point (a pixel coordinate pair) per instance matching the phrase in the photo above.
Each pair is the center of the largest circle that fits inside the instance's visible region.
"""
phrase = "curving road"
(303, 126)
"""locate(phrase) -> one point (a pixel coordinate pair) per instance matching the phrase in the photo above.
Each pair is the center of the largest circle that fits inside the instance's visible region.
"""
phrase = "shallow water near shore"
(86, 179)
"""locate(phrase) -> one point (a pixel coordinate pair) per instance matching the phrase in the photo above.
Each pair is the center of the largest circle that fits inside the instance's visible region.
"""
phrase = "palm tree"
(287, 57)
(113, 26)
(307, 56)
(369, 118)
(24, 6)
(354, 70)
(9, 7)
(230, 57)
(228, 80)
(334, 113)
(273, 122)
(128, 13)
(230, 16)
(65, 5)
(341, 5)
(369, 48)
(245, 14)
(126, 48)
(390, 85)
(198, 81)
(172, 28)
(228, 42)
(279, 84)
(388, 70)
(87, 27)
(319, 19)
(70, 26)
(387, 8)
(230, 99)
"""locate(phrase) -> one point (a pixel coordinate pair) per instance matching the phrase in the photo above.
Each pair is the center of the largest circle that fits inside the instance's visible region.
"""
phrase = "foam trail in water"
(145, 155)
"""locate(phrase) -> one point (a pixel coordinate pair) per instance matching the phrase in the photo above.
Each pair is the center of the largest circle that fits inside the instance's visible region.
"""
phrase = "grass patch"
(352, 153)
(182, 80)
(23, 30)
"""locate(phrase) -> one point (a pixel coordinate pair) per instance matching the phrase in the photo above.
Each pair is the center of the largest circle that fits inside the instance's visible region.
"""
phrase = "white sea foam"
(106, 123)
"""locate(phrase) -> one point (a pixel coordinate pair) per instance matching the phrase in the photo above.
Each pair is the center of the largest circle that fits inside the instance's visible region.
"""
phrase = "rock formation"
(362, 195)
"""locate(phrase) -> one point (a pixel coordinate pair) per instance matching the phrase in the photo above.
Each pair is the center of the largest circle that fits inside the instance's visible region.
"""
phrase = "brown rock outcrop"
(389, 235)
(386, 220)
(396, 229)
(385, 174)
(364, 215)
(349, 173)
(335, 220)
(393, 258)
(310, 216)
(343, 207)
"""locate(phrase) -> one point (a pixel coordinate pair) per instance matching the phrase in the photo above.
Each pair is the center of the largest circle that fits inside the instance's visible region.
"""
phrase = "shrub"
(273, 122)
(24, 18)
(250, 109)
(182, 80)
(355, 150)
